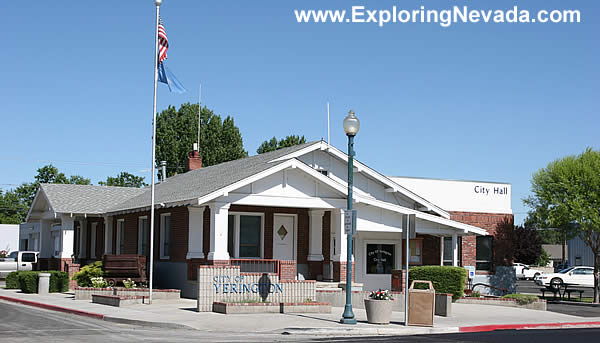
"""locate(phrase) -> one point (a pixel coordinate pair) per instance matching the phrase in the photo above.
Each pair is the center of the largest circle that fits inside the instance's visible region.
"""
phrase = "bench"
(120, 267)
(554, 291)
(569, 291)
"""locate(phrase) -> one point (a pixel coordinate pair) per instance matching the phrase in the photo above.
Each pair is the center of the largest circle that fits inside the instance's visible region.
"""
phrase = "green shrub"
(445, 279)
(84, 275)
(59, 281)
(522, 299)
(28, 281)
(12, 280)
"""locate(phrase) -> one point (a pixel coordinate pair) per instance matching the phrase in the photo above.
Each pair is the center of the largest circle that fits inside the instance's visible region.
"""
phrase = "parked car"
(561, 266)
(577, 276)
(17, 261)
(523, 271)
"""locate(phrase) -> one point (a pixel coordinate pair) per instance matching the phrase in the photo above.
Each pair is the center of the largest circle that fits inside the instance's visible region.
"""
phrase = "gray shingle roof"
(64, 198)
(198, 183)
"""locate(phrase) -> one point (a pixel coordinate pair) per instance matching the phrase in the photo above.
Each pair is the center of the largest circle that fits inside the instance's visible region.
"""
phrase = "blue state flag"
(165, 76)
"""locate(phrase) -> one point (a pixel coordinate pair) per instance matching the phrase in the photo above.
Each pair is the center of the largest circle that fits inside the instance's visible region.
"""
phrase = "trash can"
(421, 304)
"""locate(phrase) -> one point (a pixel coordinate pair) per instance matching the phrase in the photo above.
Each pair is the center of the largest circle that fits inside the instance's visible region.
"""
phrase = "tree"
(177, 131)
(551, 235)
(25, 193)
(11, 209)
(567, 193)
(273, 144)
(527, 245)
(124, 179)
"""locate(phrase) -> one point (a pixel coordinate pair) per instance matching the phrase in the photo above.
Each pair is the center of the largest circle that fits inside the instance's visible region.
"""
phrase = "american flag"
(163, 42)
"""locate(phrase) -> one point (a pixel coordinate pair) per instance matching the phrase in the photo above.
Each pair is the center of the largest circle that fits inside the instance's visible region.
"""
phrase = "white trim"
(163, 256)
(360, 167)
(120, 232)
(236, 233)
(295, 239)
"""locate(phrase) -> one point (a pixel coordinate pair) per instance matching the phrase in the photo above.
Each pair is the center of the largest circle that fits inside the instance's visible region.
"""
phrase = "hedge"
(445, 279)
(12, 280)
(28, 281)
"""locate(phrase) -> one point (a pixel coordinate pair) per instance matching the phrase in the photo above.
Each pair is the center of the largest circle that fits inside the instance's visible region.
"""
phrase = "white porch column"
(219, 213)
(82, 237)
(67, 236)
(315, 235)
(108, 234)
(441, 251)
(195, 232)
(341, 241)
(46, 244)
(455, 250)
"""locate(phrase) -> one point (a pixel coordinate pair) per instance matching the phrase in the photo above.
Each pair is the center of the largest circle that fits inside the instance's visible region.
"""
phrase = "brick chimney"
(193, 160)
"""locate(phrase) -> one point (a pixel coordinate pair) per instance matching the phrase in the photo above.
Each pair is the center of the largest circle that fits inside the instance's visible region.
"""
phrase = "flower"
(381, 294)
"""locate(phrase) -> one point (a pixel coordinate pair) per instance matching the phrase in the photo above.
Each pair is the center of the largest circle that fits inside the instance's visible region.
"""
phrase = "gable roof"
(197, 183)
(363, 168)
(87, 199)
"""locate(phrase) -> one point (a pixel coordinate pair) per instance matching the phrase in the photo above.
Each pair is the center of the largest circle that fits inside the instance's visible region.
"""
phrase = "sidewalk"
(181, 314)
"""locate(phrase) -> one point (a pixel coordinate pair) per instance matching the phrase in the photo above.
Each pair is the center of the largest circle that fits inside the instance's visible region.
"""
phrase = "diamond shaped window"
(282, 232)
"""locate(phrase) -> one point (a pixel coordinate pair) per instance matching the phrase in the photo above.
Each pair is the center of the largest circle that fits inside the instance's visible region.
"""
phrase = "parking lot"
(526, 286)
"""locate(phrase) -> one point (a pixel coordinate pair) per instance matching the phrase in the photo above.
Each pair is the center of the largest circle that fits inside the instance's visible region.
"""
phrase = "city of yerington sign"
(238, 284)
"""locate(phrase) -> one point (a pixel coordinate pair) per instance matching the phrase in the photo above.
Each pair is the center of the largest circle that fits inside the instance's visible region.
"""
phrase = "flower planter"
(378, 311)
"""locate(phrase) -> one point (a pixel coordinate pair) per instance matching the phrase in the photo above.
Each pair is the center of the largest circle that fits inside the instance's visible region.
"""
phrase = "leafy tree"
(567, 192)
(527, 245)
(273, 144)
(177, 131)
(543, 259)
(11, 209)
(124, 179)
(25, 193)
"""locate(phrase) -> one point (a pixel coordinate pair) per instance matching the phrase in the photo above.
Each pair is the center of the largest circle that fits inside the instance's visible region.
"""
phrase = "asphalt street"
(20, 323)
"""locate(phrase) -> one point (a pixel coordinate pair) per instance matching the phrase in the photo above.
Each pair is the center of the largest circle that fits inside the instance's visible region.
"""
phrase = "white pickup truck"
(17, 261)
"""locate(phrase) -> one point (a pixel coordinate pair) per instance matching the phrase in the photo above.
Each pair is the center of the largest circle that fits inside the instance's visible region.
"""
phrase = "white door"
(284, 242)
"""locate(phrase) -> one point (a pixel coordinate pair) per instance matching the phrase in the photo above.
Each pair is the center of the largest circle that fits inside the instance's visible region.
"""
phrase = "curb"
(54, 307)
(369, 331)
(485, 328)
(98, 316)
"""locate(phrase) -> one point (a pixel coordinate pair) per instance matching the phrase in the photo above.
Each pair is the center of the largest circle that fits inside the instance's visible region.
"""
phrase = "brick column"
(287, 270)
(469, 245)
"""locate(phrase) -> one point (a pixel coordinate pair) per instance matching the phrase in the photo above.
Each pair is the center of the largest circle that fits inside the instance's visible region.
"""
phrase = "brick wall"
(179, 232)
(500, 226)
(339, 271)
(287, 270)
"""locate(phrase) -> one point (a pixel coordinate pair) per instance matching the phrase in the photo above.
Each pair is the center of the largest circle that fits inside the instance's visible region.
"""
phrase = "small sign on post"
(412, 232)
(349, 218)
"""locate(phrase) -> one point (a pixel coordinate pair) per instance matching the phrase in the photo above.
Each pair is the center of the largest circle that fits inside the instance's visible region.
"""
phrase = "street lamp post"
(351, 126)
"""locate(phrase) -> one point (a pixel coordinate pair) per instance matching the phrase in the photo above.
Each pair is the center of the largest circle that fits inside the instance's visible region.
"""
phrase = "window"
(143, 236)
(93, 240)
(583, 271)
(380, 258)
(56, 242)
(415, 247)
(13, 255)
(448, 250)
(28, 257)
(244, 235)
(120, 236)
(250, 236)
(484, 253)
(231, 235)
(165, 235)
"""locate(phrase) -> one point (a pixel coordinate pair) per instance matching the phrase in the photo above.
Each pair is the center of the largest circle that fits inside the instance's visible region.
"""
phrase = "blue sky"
(473, 101)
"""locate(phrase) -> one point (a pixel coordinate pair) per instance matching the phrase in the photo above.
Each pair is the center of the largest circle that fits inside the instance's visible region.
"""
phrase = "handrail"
(249, 265)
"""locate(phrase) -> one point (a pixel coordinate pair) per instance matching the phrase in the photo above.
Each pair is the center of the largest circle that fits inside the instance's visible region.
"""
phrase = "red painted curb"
(483, 328)
(53, 307)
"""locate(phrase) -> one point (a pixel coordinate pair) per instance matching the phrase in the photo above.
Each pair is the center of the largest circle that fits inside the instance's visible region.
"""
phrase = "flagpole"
(199, 115)
(151, 272)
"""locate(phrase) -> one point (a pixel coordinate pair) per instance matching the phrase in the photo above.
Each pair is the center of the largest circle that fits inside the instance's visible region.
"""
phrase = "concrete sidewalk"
(181, 314)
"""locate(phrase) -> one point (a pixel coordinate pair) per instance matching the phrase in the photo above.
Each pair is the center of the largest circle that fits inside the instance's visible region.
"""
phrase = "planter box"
(378, 311)
(117, 301)
(537, 305)
(443, 304)
(85, 293)
(239, 308)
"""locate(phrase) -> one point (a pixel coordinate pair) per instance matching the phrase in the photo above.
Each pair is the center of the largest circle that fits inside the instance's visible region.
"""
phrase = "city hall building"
(281, 211)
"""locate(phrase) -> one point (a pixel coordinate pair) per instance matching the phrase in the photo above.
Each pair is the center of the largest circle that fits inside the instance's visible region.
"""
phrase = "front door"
(284, 241)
